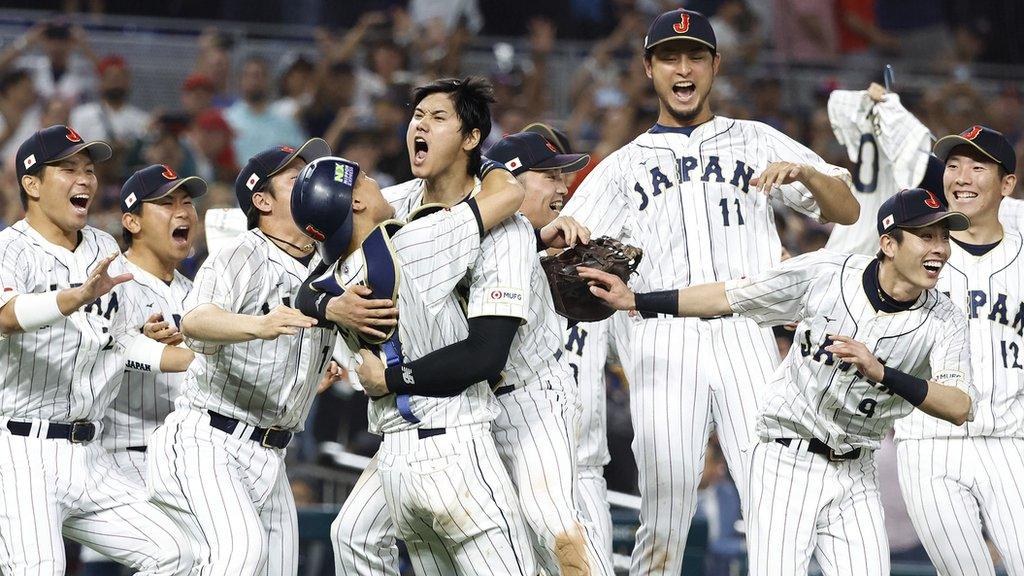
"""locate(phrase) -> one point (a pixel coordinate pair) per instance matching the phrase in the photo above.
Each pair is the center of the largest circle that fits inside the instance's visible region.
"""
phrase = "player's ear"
(30, 183)
(647, 64)
(1008, 184)
(716, 62)
(131, 222)
(887, 246)
(472, 140)
(263, 201)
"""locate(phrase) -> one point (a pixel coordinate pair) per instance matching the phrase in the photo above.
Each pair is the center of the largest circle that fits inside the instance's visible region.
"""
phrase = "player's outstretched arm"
(500, 197)
(933, 398)
(700, 301)
(29, 312)
(209, 323)
(833, 195)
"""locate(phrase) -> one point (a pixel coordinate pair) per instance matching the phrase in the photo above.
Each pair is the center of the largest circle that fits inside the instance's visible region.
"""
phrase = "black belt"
(815, 446)
(136, 448)
(428, 432)
(75, 432)
(267, 437)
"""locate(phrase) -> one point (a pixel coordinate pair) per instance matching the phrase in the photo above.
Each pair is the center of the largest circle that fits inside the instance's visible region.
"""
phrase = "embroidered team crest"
(168, 172)
(683, 26)
(287, 149)
(551, 146)
(251, 182)
(514, 163)
(30, 161)
(971, 133)
(932, 201)
(72, 135)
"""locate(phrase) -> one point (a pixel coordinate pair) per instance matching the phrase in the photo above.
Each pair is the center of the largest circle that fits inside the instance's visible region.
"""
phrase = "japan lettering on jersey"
(68, 370)
(688, 202)
(813, 395)
(263, 383)
(889, 148)
(989, 289)
(432, 253)
(146, 396)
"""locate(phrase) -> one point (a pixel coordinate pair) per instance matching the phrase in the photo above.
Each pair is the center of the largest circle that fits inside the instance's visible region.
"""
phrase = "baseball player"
(217, 464)
(61, 370)
(889, 147)
(586, 348)
(688, 192)
(509, 301)
(957, 479)
(159, 224)
(443, 483)
(875, 340)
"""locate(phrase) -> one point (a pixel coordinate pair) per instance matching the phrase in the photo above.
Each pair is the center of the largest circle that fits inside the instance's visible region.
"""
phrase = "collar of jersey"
(881, 301)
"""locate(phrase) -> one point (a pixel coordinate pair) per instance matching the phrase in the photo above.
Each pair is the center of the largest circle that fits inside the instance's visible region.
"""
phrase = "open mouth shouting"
(685, 92)
(180, 235)
(419, 148)
(80, 204)
(932, 267)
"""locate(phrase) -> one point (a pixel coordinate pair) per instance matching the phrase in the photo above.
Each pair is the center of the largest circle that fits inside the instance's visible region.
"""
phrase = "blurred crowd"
(350, 85)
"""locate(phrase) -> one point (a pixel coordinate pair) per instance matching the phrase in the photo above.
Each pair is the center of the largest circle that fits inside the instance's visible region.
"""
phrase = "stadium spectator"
(111, 118)
(64, 64)
(210, 139)
(256, 125)
(197, 93)
(19, 111)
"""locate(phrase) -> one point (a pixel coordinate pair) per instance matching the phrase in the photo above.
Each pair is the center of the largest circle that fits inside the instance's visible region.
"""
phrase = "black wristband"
(662, 302)
(476, 213)
(911, 388)
(395, 381)
(540, 243)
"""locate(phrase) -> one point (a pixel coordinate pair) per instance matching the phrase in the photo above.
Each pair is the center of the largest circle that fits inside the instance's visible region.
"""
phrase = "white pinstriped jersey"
(814, 396)
(146, 397)
(990, 290)
(687, 201)
(432, 254)
(70, 369)
(585, 350)
(890, 149)
(1011, 214)
(261, 382)
(507, 280)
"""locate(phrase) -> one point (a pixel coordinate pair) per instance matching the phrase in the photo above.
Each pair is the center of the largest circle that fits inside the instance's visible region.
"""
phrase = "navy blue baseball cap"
(551, 134)
(680, 24)
(54, 144)
(263, 166)
(154, 182)
(932, 179)
(986, 140)
(322, 204)
(917, 208)
(530, 151)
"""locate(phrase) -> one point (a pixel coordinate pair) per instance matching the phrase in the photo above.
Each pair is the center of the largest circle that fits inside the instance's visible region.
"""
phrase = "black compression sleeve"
(663, 302)
(911, 388)
(313, 303)
(480, 357)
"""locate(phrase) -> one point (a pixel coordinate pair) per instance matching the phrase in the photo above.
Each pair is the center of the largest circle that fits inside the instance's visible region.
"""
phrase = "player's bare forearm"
(833, 196)
(946, 403)
(175, 359)
(704, 301)
(500, 197)
(211, 324)
(8, 320)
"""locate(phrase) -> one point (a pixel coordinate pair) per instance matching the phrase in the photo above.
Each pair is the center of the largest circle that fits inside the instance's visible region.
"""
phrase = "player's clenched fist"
(281, 321)
(156, 328)
(849, 350)
(354, 309)
(371, 375)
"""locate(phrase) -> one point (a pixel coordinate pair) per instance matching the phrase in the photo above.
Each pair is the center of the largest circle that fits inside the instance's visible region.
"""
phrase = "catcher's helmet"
(322, 204)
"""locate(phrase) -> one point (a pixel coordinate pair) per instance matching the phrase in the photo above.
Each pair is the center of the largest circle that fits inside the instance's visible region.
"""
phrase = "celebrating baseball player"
(875, 340)
(957, 479)
(61, 371)
(889, 148)
(444, 486)
(159, 225)
(690, 193)
(217, 464)
(585, 349)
